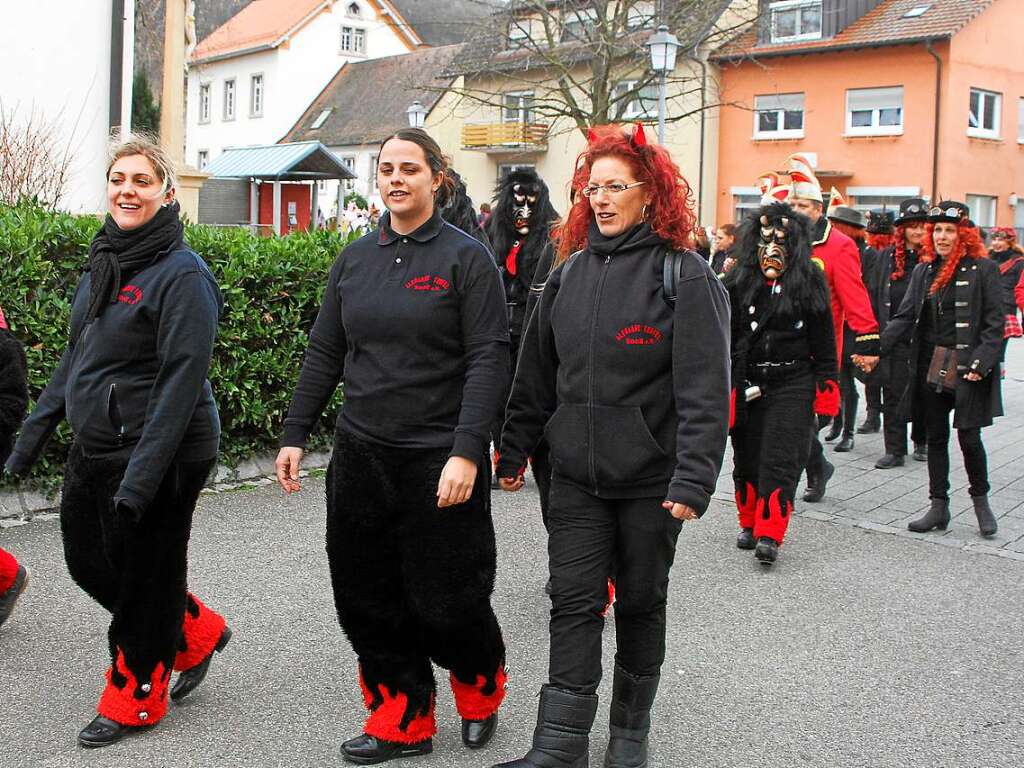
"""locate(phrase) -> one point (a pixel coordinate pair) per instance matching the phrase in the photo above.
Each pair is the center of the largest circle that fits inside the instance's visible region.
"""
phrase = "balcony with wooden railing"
(505, 137)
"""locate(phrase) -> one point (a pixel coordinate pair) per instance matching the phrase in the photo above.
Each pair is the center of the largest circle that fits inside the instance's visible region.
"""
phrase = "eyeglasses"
(612, 189)
(952, 212)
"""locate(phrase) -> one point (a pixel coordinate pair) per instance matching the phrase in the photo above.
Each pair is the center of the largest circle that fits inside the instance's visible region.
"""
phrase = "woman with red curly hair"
(1009, 255)
(952, 317)
(630, 387)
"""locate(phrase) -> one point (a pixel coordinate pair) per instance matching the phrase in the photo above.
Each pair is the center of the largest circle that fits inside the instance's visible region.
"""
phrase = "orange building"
(889, 98)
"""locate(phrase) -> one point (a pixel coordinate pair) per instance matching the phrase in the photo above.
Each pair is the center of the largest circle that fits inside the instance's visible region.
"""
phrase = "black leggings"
(936, 408)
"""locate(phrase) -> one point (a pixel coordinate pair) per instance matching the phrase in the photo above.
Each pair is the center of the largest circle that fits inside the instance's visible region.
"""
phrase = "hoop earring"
(643, 212)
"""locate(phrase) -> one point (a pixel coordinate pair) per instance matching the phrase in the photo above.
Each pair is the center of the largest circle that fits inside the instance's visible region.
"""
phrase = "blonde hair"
(142, 144)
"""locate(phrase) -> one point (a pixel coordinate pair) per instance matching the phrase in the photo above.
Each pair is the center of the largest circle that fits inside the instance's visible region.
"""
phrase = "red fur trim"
(773, 521)
(128, 705)
(611, 598)
(732, 408)
(826, 402)
(8, 570)
(201, 632)
(471, 701)
(746, 505)
(385, 720)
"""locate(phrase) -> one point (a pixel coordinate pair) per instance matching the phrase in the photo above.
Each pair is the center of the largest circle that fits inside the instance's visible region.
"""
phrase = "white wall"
(55, 61)
(293, 75)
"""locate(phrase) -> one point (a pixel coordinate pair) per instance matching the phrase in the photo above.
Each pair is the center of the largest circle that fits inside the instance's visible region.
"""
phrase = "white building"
(252, 78)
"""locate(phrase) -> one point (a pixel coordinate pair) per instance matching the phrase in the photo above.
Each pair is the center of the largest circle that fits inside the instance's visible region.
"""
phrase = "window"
(640, 16)
(353, 40)
(204, 103)
(983, 120)
(643, 103)
(518, 107)
(878, 198)
(229, 99)
(793, 20)
(203, 159)
(518, 31)
(779, 117)
(919, 10)
(983, 209)
(354, 10)
(1020, 121)
(744, 200)
(256, 96)
(349, 162)
(578, 24)
(321, 119)
(874, 111)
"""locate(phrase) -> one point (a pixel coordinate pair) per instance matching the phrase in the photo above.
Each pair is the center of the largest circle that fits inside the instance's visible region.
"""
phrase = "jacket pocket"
(567, 434)
(624, 448)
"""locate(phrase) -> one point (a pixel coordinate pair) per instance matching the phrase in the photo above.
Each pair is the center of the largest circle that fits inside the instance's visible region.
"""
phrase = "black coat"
(878, 281)
(13, 391)
(979, 319)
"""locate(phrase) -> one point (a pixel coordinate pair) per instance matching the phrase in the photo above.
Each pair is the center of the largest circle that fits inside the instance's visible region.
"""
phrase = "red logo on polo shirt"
(639, 335)
(428, 283)
(130, 295)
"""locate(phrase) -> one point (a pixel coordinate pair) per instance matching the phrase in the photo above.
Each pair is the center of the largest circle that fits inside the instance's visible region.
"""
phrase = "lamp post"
(663, 45)
(417, 114)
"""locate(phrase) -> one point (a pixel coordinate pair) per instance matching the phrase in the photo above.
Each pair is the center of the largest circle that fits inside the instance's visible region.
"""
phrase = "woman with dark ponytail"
(413, 321)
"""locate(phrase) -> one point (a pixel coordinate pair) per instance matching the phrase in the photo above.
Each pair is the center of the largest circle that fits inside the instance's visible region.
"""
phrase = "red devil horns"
(639, 137)
(591, 136)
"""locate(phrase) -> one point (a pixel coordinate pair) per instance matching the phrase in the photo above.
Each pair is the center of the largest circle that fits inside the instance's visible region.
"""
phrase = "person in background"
(880, 236)
(722, 260)
(952, 317)
(702, 243)
(1009, 255)
(485, 214)
(13, 402)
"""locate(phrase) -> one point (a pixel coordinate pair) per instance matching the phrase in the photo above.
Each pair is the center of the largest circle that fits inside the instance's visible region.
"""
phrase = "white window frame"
(257, 93)
(205, 100)
(633, 109)
(884, 101)
(359, 40)
(890, 197)
(230, 99)
(321, 119)
(1020, 120)
(981, 132)
(345, 35)
(781, 133)
(519, 29)
(972, 201)
(788, 5)
(202, 159)
(524, 110)
(349, 161)
(751, 202)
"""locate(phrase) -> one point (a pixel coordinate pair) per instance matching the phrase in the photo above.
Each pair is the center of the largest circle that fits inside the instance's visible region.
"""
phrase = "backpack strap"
(672, 272)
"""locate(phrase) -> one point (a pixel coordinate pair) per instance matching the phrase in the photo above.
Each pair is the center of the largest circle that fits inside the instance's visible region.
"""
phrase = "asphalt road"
(857, 649)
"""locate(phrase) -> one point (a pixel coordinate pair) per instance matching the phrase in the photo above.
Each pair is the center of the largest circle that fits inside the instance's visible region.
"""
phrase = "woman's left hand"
(973, 376)
(680, 511)
(456, 483)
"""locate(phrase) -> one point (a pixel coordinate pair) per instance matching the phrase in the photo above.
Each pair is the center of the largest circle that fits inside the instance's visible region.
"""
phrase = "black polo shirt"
(415, 325)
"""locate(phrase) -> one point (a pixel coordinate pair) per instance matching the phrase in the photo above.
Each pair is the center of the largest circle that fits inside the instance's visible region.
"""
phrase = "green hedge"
(272, 289)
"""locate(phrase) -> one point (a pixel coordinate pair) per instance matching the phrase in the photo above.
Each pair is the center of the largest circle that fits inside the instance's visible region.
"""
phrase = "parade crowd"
(610, 351)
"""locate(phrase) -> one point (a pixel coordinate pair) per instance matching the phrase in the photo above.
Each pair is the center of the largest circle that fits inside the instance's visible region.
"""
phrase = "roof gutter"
(767, 53)
(233, 54)
(938, 114)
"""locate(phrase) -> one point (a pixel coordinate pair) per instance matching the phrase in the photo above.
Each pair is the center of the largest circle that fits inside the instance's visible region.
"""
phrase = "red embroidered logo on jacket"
(428, 283)
(639, 335)
(130, 295)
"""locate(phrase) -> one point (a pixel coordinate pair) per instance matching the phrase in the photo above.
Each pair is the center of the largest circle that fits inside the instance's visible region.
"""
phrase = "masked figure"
(783, 368)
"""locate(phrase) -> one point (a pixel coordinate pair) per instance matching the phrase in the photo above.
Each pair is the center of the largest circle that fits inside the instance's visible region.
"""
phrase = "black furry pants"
(134, 569)
(412, 583)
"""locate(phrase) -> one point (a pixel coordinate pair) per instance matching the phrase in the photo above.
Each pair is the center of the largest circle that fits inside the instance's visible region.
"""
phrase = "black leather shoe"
(477, 733)
(190, 679)
(890, 460)
(816, 492)
(767, 550)
(872, 423)
(920, 452)
(746, 539)
(10, 597)
(102, 732)
(835, 431)
(937, 516)
(845, 445)
(986, 520)
(369, 750)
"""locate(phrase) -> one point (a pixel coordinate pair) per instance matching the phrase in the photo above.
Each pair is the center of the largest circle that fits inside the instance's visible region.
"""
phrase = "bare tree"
(35, 158)
(586, 62)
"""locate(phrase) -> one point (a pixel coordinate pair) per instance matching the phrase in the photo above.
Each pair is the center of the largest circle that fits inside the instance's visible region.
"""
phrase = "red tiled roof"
(886, 24)
(261, 23)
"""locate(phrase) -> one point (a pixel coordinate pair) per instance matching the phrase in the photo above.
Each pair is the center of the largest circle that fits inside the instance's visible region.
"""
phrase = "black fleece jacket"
(13, 390)
(133, 381)
(631, 393)
(416, 326)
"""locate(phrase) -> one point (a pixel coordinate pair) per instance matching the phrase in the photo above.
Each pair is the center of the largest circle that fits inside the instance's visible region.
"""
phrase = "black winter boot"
(986, 520)
(630, 719)
(872, 423)
(937, 516)
(767, 551)
(846, 444)
(562, 736)
(746, 540)
(889, 461)
(836, 429)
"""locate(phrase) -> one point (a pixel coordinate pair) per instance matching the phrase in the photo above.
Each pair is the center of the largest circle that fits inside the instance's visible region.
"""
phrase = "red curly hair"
(968, 246)
(670, 213)
(880, 241)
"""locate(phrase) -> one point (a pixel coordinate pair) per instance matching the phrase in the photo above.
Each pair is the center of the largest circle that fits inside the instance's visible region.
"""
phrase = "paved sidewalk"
(884, 501)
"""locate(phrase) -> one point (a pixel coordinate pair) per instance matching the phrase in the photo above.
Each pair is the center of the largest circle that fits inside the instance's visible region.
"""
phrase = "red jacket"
(837, 254)
(1018, 292)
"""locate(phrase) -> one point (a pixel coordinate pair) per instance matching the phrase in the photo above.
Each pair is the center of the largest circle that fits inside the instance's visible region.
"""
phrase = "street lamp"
(417, 114)
(663, 45)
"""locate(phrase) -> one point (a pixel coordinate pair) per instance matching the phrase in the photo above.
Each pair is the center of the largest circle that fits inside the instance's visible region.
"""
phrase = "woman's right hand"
(511, 484)
(287, 465)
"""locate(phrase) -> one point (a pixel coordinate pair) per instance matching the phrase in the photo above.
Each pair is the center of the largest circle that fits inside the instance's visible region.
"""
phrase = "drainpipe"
(938, 115)
(122, 64)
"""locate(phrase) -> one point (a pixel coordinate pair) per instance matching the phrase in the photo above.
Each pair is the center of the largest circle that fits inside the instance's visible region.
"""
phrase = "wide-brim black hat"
(950, 211)
(912, 209)
(848, 215)
(881, 222)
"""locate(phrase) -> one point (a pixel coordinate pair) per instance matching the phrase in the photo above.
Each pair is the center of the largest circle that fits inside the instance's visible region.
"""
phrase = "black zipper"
(114, 414)
(590, 373)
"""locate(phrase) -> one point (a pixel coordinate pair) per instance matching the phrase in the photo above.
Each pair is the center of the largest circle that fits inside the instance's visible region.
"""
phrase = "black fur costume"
(13, 401)
(783, 344)
(457, 209)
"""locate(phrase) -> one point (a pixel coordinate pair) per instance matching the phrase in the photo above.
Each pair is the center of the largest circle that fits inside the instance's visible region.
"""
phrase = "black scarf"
(115, 252)
(639, 236)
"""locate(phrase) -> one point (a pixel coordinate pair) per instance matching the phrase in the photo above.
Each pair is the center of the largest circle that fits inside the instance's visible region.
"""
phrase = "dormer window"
(518, 31)
(578, 25)
(354, 10)
(795, 20)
